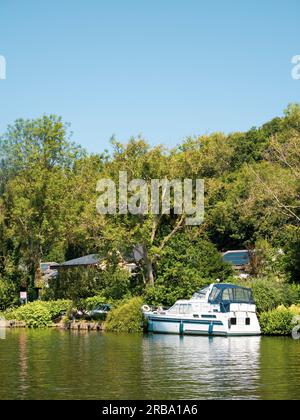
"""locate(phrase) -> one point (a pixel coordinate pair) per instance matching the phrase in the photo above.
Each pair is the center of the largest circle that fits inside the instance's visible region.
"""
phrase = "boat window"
(174, 309)
(228, 295)
(200, 294)
(242, 295)
(214, 293)
(185, 308)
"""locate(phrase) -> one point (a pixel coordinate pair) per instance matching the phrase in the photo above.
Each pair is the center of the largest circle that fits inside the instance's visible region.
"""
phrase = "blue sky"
(165, 69)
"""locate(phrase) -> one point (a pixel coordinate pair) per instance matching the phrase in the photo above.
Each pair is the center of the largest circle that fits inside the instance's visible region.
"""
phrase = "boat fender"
(229, 323)
(146, 308)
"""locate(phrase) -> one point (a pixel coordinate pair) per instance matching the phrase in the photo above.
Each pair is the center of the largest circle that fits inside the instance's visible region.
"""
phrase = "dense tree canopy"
(48, 200)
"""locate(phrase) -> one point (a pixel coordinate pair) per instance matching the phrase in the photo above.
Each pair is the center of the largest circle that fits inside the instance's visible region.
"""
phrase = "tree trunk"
(150, 275)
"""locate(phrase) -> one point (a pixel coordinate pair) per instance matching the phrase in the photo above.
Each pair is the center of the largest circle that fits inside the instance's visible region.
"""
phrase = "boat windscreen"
(230, 293)
(201, 293)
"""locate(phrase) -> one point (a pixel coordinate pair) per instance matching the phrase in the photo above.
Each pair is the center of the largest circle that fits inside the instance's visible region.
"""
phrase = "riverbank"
(70, 325)
(128, 318)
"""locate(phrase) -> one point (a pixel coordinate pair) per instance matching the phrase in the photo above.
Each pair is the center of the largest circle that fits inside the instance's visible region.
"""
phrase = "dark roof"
(91, 259)
(238, 258)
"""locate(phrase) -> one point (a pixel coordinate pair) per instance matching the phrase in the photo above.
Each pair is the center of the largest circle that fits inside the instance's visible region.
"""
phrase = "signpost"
(23, 297)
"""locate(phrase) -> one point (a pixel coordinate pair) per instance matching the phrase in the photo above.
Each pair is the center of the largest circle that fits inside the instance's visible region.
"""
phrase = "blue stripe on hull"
(181, 330)
(180, 323)
(185, 321)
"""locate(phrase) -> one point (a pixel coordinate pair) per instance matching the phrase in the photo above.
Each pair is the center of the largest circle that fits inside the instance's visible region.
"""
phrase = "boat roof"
(223, 286)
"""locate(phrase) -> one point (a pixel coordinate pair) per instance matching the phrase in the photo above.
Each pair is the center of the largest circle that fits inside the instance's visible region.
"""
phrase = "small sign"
(23, 295)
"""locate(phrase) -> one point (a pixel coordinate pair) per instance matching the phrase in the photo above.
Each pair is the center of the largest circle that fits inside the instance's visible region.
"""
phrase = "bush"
(39, 314)
(57, 307)
(90, 303)
(8, 294)
(127, 317)
(291, 294)
(277, 322)
(35, 314)
(267, 295)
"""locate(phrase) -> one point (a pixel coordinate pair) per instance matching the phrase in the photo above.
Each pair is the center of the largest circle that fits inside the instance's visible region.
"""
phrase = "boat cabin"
(218, 297)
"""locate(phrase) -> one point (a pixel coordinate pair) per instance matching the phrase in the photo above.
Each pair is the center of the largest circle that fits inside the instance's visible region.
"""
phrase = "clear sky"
(165, 69)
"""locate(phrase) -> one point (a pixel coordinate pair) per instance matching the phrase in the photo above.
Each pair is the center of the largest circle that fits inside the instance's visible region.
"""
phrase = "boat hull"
(212, 327)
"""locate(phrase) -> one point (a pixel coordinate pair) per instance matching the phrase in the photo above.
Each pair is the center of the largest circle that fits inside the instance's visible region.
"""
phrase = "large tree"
(37, 161)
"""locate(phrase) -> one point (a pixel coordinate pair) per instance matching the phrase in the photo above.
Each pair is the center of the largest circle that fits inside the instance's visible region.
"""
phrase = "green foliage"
(35, 315)
(57, 307)
(39, 314)
(8, 294)
(267, 295)
(127, 317)
(47, 211)
(291, 255)
(114, 283)
(82, 282)
(187, 260)
(92, 302)
(277, 322)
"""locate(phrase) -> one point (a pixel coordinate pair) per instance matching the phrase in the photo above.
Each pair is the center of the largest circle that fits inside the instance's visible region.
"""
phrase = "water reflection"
(202, 367)
(23, 363)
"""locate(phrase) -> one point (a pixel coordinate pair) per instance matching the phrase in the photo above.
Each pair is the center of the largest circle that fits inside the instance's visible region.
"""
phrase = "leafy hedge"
(127, 317)
(278, 321)
(39, 314)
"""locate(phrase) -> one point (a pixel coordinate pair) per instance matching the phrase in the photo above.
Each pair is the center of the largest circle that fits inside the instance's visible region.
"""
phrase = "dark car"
(99, 312)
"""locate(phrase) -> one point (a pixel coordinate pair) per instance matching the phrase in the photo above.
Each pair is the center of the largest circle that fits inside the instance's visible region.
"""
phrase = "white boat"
(219, 309)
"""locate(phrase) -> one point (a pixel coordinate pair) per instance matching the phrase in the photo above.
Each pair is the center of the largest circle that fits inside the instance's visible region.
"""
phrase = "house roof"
(237, 258)
(86, 260)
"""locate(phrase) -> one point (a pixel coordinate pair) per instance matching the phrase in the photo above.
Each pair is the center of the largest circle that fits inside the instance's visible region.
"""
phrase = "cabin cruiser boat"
(219, 309)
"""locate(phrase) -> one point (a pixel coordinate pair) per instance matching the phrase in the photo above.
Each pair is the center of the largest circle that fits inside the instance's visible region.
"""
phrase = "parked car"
(99, 312)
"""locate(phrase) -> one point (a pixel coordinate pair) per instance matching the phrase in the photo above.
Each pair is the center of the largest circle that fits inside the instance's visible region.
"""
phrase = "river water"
(54, 364)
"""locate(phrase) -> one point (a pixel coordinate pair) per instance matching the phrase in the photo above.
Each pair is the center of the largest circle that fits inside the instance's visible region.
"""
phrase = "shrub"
(35, 314)
(277, 322)
(8, 294)
(291, 294)
(90, 303)
(127, 317)
(39, 314)
(267, 295)
(57, 307)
